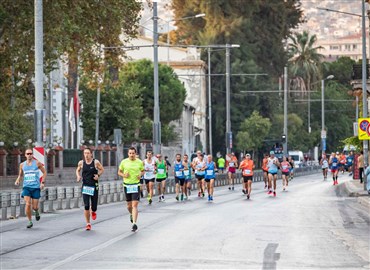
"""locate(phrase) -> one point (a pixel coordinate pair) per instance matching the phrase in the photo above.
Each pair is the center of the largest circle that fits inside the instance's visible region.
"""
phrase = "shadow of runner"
(270, 257)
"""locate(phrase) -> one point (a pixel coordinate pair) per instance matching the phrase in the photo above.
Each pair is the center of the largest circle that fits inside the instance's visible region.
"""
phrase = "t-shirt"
(221, 162)
(134, 168)
(247, 167)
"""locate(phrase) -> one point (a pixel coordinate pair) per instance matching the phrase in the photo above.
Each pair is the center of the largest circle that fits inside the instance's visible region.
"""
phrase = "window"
(354, 47)
(334, 47)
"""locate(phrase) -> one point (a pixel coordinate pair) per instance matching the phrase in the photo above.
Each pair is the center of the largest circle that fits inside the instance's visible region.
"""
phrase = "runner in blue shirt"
(210, 176)
(29, 171)
(350, 159)
(334, 165)
(179, 177)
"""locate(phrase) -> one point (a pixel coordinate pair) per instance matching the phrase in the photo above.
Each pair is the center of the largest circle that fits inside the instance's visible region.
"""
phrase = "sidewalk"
(353, 188)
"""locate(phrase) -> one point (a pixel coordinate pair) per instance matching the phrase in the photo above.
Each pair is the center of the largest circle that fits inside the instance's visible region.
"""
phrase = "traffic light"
(283, 138)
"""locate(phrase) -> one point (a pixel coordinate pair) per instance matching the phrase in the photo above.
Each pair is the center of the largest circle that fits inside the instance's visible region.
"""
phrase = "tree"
(260, 27)
(253, 131)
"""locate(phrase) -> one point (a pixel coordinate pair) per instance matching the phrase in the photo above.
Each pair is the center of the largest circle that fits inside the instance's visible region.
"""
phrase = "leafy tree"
(172, 93)
(260, 27)
(253, 131)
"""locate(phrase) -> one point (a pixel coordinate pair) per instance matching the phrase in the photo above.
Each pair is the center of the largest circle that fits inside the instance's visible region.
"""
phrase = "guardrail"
(69, 197)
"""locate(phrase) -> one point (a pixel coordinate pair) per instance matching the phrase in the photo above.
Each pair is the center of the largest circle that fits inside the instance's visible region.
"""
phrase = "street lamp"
(323, 131)
(168, 30)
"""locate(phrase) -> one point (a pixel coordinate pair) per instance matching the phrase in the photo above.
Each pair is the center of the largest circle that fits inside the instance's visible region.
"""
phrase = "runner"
(91, 171)
(334, 165)
(247, 166)
(131, 169)
(285, 166)
(179, 178)
(350, 159)
(199, 166)
(342, 162)
(291, 169)
(221, 164)
(161, 177)
(149, 175)
(29, 171)
(187, 174)
(265, 169)
(231, 165)
(324, 166)
(141, 181)
(273, 167)
(210, 176)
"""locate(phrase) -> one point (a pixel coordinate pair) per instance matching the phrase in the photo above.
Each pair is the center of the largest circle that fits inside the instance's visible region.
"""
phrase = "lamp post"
(168, 30)
(157, 123)
(209, 103)
(229, 135)
(323, 130)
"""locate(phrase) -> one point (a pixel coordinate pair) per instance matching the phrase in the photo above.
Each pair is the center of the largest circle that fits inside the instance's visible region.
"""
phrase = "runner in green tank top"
(161, 175)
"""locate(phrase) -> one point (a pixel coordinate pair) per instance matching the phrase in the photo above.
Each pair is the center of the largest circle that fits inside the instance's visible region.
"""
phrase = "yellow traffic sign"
(363, 129)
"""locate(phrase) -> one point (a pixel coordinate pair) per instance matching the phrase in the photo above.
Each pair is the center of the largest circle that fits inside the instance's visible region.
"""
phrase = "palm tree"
(305, 63)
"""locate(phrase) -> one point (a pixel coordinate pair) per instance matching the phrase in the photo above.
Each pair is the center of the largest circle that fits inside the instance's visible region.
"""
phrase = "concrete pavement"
(307, 227)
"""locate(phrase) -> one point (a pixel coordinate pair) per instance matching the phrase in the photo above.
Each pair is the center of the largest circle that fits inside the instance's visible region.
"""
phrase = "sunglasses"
(29, 154)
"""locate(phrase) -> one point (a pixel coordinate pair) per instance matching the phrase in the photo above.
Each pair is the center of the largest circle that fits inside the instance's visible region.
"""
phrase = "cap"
(337, 153)
(247, 155)
(272, 152)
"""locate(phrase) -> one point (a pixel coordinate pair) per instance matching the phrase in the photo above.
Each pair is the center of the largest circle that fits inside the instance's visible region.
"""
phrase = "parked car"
(297, 156)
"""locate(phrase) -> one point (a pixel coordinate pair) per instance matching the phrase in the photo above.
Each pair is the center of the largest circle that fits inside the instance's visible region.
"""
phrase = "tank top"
(88, 171)
(187, 172)
(179, 173)
(31, 175)
(325, 164)
(285, 166)
(149, 169)
(334, 163)
(272, 168)
(161, 170)
(199, 165)
(210, 171)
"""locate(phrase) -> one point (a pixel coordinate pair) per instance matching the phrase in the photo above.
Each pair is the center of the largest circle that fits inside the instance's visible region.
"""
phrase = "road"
(306, 227)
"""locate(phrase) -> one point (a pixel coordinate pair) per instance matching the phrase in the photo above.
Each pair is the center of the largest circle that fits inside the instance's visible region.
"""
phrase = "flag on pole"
(71, 117)
(76, 102)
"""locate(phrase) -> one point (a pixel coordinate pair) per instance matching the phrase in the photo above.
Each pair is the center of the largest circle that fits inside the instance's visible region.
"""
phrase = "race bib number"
(186, 172)
(160, 171)
(148, 175)
(30, 177)
(178, 173)
(209, 172)
(88, 190)
(231, 164)
(247, 171)
(132, 189)
(334, 164)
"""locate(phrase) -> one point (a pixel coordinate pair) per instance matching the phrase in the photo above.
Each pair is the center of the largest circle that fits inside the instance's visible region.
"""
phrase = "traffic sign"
(323, 134)
(364, 129)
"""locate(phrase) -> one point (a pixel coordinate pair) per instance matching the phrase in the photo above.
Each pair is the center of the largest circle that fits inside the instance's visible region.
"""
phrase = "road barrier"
(62, 198)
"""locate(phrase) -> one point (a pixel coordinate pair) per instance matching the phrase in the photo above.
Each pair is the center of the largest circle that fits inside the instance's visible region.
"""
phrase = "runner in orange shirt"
(265, 169)
(247, 167)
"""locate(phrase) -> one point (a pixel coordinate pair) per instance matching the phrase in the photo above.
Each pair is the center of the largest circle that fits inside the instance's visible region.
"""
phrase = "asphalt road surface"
(306, 227)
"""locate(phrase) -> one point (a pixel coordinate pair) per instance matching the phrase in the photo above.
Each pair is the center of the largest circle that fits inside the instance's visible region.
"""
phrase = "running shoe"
(209, 198)
(134, 228)
(203, 195)
(30, 225)
(189, 191)
(150, 201)
(350, 174)
(244, 191)
(177, 197)
(131, 219)
(163, 198)
(199, 193)
(93, 215)
(274, 193)
(232, 188)
(248, 196)
(185, 198)
(265, 186)
(159, 198)
(88, 227)
(182, 197)
(269, 192)
(229, 188)
(37, 215)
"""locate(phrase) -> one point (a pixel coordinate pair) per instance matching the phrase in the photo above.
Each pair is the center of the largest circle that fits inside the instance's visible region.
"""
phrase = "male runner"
(161, 177)
(265, 169)
(199, 166)
(187, 174)
(334, 165)
(210, 176)
(273, 167)
(247, 166)
(149, 174)
(179, 178)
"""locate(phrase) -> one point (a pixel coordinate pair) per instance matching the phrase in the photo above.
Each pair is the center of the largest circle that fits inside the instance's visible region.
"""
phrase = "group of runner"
(337, 162)
(138, 173)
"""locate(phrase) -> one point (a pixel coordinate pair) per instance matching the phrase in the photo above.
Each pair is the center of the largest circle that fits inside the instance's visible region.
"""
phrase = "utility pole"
(364, 86)
(229, 135)
(39, 73)
(156, 124)
(209, 103)
(285, 143)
